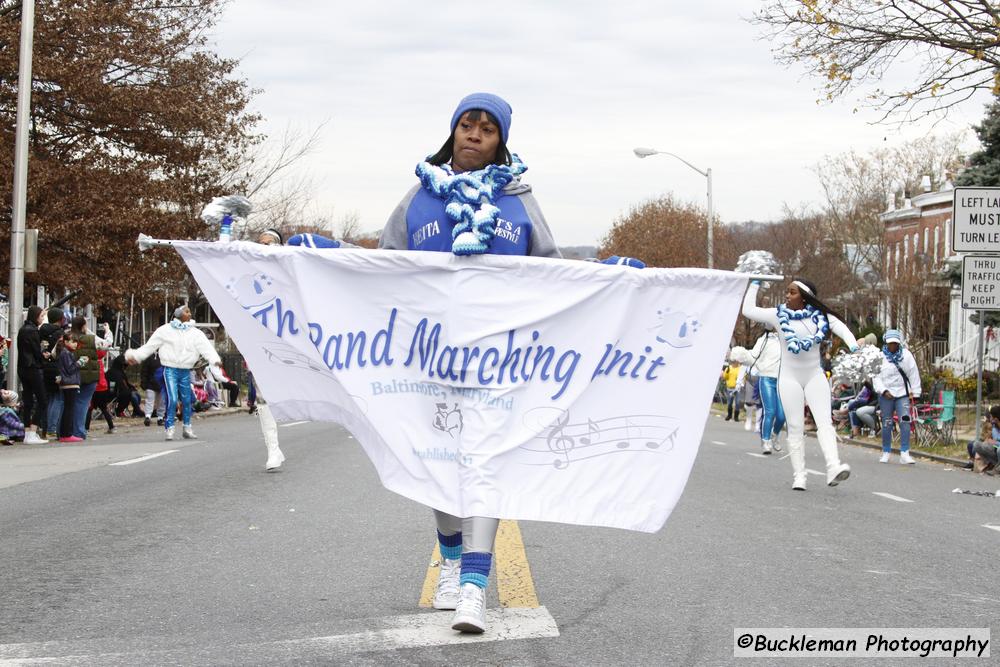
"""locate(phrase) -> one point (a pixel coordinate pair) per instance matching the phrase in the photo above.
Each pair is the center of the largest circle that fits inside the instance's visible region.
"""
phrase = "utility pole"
(16, 305)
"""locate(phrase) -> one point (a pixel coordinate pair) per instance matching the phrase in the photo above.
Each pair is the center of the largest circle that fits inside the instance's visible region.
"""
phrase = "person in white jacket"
(180, 346)
(766, 354)
(897, 383)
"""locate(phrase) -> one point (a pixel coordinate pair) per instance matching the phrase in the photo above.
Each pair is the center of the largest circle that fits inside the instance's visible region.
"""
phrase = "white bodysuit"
(802, 382)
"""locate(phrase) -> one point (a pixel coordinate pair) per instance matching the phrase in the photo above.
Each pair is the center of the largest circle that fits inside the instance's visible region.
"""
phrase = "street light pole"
(711, 238)
(646, 152)
(16, 288)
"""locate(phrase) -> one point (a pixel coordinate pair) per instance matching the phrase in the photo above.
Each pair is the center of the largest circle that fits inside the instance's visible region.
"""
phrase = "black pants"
(100, 401)
(69, 401)
(35, 406)
(124, 398)
(234, 393)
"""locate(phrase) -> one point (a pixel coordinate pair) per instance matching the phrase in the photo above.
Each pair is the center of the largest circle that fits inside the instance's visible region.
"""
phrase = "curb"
(134, 424)
(871, 445)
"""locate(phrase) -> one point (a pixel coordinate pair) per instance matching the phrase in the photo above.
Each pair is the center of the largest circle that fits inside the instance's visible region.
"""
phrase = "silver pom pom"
(855, 368)
(758, 262)
(236, 206)
(740, 354)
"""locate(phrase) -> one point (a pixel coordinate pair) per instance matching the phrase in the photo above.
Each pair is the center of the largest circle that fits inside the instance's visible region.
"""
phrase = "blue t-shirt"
(428, 227)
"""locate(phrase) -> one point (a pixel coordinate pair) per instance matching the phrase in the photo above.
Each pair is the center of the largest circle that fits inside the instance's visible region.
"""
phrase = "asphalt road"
(199, 557)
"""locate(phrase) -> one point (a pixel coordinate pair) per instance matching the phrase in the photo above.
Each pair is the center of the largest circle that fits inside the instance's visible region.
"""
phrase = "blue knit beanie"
(495, 105)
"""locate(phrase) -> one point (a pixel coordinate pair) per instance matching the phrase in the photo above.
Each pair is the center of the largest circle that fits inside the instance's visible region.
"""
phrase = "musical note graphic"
(592, 429)
(592, 438)
(555, 442)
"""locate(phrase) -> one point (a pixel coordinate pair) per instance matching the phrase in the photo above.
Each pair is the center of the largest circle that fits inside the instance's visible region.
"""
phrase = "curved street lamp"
(647, 152)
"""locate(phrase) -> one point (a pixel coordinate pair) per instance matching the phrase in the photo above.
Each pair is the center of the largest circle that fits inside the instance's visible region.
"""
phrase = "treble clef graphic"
(559, 443)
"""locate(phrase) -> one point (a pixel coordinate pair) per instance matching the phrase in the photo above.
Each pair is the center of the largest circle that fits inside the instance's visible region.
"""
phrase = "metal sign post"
(980, 292)
(975, 228)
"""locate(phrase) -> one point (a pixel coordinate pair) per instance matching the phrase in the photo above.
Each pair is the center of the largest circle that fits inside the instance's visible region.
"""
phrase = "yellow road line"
(431, 580)
(515, 587)
(514, 584)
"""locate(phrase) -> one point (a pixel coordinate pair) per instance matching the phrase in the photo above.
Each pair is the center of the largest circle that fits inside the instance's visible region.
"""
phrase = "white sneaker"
(188, 433)
(837, 474)
(32, 438)
(170, 433)
(906, 459)
(747, 426)
(274, 460)
(470, 614)
(775, 445)
(799, 482)
(884, 458)
(446, 595)
(765, 446)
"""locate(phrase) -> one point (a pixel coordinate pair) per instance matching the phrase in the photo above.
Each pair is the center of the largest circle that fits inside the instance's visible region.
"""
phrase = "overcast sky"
(588, 82)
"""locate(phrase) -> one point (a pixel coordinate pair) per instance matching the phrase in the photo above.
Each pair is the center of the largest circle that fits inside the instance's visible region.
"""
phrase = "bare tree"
(852, 43)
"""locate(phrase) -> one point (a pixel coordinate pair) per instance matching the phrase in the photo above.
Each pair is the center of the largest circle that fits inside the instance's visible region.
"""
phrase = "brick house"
(918, 296)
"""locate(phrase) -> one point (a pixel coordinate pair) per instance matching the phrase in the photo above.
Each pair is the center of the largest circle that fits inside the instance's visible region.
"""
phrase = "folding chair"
(937, 420)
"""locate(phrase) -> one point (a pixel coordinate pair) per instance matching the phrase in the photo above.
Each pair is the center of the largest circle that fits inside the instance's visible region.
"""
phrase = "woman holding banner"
(470, 200)
(804, 322)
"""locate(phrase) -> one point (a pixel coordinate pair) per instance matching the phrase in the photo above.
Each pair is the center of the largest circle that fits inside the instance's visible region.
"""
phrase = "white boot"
(446, 594)
(836, 471)
(799, 481)
(270, 430)
(170, 433)
(765, 446)
(797, 455)
(748, 423)
(470, 615)
(188, 432)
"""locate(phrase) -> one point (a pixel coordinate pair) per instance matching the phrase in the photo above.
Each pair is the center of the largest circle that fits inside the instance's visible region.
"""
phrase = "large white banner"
(512, 387)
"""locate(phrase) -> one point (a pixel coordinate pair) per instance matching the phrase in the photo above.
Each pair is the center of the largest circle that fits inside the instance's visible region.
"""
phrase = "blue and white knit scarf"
(470, 200)
(794, 343)
(183, 326)
(893, 357)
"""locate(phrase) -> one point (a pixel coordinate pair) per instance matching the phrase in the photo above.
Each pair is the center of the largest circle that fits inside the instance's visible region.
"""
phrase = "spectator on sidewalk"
(34, 408)
(985, 448)
(897, 384)
(731, 376)
(51, 333)
(125, 394)
(224, 382)
(11, 426)
(151, 381)
(102, 395)
(86, 353)
(180, 345)
(861, 410)
(69, 383)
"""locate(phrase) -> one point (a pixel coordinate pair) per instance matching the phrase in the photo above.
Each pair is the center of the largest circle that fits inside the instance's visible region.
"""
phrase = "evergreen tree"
(985, 163)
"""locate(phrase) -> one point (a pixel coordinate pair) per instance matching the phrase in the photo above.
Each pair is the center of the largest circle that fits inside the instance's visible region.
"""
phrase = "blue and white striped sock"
(476, 568)
(450, 545)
